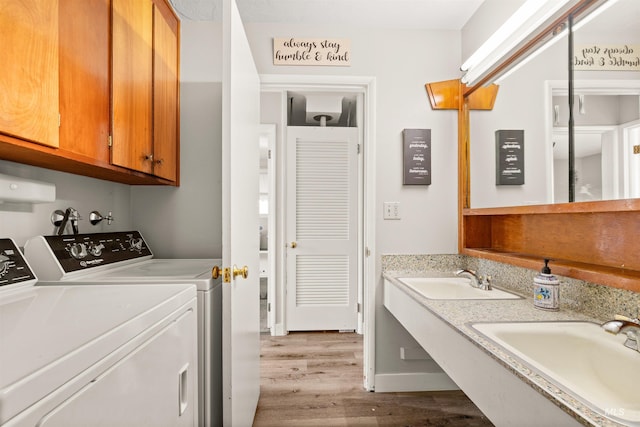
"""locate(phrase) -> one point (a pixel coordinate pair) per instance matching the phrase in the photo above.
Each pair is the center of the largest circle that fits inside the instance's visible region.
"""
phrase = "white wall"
(186, 221)
(21, 221)
(401, 61)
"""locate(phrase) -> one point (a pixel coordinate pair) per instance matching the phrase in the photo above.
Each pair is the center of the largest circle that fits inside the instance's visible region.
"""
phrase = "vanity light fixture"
(558, 34)
(522, 24)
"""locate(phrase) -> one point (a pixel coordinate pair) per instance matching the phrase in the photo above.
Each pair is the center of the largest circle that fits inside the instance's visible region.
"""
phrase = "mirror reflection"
(534, 99)
(604, 133)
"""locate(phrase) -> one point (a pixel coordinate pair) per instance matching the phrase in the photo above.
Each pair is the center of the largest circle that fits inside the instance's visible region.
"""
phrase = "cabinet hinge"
(110, 141)
(269, 154)
(358, 148)
(59, 119)
(359, 307)
(268, 306)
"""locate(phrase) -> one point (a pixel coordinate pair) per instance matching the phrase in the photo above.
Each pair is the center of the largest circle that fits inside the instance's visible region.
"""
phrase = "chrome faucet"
(70, 215)
(476, 281)
(623, 324)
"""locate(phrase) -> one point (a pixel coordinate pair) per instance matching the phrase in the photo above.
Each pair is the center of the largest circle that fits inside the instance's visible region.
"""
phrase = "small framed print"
(510, 157)
(416, 156)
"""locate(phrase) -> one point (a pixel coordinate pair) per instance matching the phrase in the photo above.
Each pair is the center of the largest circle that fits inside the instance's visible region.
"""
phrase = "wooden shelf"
(627, 205)
(594, 241)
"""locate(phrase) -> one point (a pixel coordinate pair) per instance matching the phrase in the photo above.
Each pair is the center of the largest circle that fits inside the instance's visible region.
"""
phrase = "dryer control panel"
(81, 251)
(13, 268)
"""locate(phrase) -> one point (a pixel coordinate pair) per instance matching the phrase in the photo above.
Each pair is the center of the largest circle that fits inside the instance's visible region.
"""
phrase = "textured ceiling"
(409, 14)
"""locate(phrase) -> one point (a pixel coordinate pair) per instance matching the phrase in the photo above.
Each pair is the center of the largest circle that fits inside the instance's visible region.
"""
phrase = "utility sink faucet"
(476, 280)
(622, 325)
(70, 216)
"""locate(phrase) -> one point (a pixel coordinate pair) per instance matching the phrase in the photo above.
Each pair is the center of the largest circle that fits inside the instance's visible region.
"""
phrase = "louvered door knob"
(294, 245)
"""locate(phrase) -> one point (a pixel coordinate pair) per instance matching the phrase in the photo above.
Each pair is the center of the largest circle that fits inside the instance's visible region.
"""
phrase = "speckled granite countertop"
(460, 313)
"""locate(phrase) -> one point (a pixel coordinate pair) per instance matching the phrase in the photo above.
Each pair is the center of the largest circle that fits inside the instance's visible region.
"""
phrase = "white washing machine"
(94, 355)
(124, 257)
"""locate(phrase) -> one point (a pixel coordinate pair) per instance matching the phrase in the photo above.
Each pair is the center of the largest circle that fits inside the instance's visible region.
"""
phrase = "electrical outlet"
(391, 210)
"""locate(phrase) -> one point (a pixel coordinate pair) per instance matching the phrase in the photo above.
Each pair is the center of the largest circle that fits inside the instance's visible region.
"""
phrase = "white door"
(322, 228)
(240, 238)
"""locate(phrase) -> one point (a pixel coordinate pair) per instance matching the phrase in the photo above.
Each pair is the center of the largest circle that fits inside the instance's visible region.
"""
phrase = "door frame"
(269, 131)
(366, 245)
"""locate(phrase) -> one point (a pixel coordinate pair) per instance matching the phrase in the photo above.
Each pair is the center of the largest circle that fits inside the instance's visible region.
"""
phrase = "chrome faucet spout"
(475, 280)
(469, 274)
(70, 216)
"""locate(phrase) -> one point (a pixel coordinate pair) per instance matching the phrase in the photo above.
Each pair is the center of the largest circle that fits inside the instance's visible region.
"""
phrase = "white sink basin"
(580, 358)
(452, 288)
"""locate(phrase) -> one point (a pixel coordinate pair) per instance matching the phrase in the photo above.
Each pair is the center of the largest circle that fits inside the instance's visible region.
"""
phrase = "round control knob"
(4, 265)
(96, 250)
(78, 250)
(136, 243)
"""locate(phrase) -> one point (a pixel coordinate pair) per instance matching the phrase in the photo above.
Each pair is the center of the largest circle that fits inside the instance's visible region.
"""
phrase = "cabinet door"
(132, 33)
(84, 78)
(165, 94)
(29, 71)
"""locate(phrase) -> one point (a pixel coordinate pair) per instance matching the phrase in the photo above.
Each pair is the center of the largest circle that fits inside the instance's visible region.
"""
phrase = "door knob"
(221, 272)
(294, 245)
(244, 272)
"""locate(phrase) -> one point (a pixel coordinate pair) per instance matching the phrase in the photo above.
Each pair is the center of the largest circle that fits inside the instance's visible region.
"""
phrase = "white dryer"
(94, 355)
(124, 257)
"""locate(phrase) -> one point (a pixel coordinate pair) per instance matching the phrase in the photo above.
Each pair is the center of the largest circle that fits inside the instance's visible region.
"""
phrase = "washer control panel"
(81, 251)
(13, 267)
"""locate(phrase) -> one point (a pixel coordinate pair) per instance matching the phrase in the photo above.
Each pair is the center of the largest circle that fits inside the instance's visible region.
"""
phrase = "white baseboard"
(419, 381)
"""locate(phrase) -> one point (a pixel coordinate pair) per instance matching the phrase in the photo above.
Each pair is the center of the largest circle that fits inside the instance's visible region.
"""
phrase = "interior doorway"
(319, 206)
(278, 98)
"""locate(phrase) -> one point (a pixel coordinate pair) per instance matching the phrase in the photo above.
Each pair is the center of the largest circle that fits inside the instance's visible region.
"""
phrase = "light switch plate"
(391, 210)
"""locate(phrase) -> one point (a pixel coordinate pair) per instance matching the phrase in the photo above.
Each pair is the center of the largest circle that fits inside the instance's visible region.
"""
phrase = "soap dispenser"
(546, 289)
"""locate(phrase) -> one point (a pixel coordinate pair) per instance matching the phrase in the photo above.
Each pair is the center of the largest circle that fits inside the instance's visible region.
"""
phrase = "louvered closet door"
(322, 228)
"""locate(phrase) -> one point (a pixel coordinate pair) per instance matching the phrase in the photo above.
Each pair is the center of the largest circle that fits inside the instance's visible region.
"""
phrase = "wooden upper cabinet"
(131, 87)
(91, 87)
(29, 72)
(145, 87)
(165, 94)
(84, 78)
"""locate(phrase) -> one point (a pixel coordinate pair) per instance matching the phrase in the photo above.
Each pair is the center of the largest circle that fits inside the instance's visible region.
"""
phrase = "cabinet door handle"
(149, 157)
(160, 161)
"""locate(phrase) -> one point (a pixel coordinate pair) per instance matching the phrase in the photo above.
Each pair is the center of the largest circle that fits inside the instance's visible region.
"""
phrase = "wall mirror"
(534, 99)
(593, 237)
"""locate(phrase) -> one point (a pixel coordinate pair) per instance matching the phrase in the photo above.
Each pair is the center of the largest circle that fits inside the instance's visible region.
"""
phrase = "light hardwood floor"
(315, 379)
